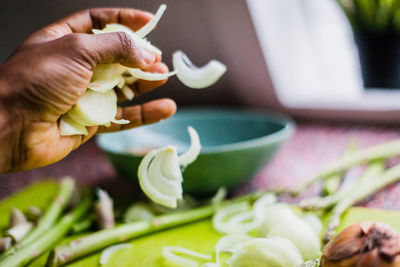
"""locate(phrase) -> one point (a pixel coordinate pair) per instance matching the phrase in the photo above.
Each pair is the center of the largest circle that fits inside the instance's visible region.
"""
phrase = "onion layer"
(169, 253)
(108, 252)
(196, 77)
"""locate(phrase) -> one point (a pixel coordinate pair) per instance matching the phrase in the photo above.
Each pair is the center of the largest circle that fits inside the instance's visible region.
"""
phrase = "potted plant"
(376, 25)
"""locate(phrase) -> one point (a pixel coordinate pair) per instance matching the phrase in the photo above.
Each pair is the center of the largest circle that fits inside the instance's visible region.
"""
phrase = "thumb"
(115, 47)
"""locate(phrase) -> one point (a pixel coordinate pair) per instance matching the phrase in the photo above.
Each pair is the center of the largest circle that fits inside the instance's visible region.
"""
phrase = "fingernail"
(148, 56)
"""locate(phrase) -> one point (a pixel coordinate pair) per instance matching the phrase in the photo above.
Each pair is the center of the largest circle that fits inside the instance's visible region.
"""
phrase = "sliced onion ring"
(127, 92)
(196, 77)
(146, 29)
(194, 150)
(230, 244)
(150, 76)
(169, 253)
(103, 86)
(108, 252)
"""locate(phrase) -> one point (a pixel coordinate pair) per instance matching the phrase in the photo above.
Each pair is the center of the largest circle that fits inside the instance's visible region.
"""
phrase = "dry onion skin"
(365, 244)
(160, 175)
(106, 78)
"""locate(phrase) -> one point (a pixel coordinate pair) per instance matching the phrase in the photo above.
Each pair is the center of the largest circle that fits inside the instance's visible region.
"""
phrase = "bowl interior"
(219, 130)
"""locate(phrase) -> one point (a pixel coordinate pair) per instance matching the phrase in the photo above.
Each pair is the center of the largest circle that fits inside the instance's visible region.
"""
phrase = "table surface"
(311, 147)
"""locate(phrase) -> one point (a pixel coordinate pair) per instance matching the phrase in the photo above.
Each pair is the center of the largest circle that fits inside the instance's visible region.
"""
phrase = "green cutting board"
(146, 251)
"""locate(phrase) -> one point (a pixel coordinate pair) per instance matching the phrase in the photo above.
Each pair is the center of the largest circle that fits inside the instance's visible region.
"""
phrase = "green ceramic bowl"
(235, 145)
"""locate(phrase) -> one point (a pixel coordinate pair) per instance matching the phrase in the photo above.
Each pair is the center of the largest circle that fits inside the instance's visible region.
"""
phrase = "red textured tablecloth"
(312, 146)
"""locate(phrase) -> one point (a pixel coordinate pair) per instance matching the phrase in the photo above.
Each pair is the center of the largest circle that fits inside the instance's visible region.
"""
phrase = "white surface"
(309, 50)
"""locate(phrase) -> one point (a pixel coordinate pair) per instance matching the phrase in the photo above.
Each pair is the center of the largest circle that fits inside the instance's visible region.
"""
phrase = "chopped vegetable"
(236, 218)
(267, 252)
(231, 244)
(195, 77)
(95, 108)
(313, 221)
(108, 252)
(17, 217)
(261, 205)
(159, 172)
(5, 243)
(19, 231)
(170, 254)
(146, 29)
(191, 155)
(68, 126)
(149, 76)
(104, 210)
(138, 211)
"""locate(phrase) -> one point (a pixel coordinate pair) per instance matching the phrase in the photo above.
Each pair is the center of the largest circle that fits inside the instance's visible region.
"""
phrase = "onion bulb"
(366, 244)
(267, 252)
(196, 77)
(170, 254)
(160, 175)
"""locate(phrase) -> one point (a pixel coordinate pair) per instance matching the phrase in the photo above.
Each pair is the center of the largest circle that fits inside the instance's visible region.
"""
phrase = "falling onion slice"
(160, 175)
(196, 77)
(146, 29)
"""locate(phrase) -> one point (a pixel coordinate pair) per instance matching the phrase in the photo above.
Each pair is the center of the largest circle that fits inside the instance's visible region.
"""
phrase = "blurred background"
(318, 61)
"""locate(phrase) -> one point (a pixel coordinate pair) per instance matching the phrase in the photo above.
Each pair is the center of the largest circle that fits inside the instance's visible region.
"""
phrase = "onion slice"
(120, 121)
(160, 176)
(150, 76)
(169, 253)
(194, 150)
(127, 92)
(108, 252)
(70, 127)
(146, 29)
(103, 86)
(95, 108)
(196, 77)
(143, 43)
(235, 219)
(230, 244)
(261, 205)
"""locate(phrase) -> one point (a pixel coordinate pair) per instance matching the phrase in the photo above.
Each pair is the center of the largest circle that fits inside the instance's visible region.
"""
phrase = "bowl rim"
(288, 128)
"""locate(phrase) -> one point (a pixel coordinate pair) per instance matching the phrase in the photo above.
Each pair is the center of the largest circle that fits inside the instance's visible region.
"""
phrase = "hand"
(48, 73)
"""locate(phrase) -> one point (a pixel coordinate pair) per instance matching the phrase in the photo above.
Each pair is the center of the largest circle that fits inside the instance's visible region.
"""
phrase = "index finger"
(86, 20)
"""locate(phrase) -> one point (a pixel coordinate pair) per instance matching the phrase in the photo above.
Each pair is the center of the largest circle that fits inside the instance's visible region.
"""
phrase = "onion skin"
(365, 244)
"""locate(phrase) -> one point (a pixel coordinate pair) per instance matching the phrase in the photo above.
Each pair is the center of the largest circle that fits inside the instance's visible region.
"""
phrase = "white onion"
(128, 92)
(274, 215)
(230, 244)
(313, 221)
(160, 175)
(120, 121)
(146, 29)
(143, 43)
(95, 108)
(261, 205)
(130, 80)
(196, 77)
(219, 196)
(104, 86)
(150, 76)
(301, 234)
(108, 252)
(70, 127)
(191, 155)
(236, 218)
(267, 252)
(169, 253)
